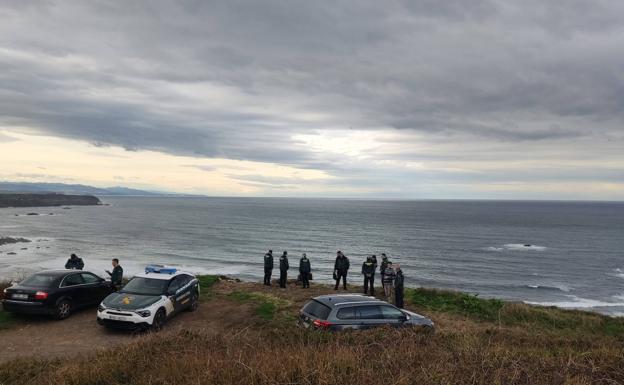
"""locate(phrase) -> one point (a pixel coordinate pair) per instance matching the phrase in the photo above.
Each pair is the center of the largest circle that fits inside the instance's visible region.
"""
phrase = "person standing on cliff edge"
(304, 270)
(398, 287)
(74, 263)
(341, 266)
(283, 269)
(268, 267)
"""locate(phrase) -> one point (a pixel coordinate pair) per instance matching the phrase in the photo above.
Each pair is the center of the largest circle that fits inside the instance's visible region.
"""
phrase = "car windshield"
(146, 286)
(40, 280)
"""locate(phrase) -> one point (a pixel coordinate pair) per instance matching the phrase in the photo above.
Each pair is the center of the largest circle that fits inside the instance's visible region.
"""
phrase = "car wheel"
(194, 303)
(159, 319)
(63, 309)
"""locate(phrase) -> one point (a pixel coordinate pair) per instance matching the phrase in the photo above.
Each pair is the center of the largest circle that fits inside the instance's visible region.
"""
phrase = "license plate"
(116, 318)
(19, 296)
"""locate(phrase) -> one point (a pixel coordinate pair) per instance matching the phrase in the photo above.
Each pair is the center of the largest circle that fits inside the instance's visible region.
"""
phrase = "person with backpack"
(305, 270)
(341, 267)
(283, 269)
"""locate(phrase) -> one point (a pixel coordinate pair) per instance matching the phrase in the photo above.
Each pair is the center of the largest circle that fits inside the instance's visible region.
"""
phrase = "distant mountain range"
(75, 189)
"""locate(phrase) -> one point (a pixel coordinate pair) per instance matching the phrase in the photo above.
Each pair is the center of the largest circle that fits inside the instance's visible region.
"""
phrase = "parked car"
(149, 299)
(56, 292)
(353, 311)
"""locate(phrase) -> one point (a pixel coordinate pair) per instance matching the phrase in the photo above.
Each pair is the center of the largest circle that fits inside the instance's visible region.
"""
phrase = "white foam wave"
(550, 287)
(578, 303)
(516, 247)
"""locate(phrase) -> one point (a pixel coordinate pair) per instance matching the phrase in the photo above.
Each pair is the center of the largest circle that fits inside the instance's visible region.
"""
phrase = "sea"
(565, 254)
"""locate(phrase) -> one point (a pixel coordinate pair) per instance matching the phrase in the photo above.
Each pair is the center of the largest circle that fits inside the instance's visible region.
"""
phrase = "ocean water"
(575, 258)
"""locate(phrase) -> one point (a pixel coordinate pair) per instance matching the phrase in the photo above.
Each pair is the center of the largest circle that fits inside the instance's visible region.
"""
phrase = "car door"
(175, 295)
(94, 290)
(369, 316)
(347, 318)
(72, 286)
(393, 316)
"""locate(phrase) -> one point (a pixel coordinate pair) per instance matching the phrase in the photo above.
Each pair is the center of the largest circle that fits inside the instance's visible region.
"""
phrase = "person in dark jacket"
(341, 266)
(268, 267)
(74, 263)
(283, 269)
(368, 270)
(116, 275)
(398, 287)
(304, 270)
(374, 258)
(382, 268)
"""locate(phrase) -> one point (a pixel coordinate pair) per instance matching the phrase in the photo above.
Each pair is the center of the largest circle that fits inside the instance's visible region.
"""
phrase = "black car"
(56, 293)
(353, 311)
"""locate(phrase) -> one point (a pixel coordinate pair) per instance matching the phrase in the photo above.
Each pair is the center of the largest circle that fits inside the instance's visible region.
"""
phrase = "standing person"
(368, 270)
(341, 266)
(382, 268)
(116, 275)
(304, 270)
(268, 267)
(398, 287)
(283, 269)
(74, 263)
(374, 258)
(388, 279)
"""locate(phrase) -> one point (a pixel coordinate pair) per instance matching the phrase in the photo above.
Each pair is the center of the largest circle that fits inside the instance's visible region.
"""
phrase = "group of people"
(392, 278)
(76, 263)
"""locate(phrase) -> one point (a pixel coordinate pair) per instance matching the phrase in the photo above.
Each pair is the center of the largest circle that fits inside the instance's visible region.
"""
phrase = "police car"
(149, 299)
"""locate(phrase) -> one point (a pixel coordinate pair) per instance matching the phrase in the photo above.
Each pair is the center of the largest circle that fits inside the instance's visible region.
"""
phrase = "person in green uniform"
(116, 275)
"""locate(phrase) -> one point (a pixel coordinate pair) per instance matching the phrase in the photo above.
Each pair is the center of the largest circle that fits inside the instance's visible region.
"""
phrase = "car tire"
(194, 302)
(62, 309)
(159, 319)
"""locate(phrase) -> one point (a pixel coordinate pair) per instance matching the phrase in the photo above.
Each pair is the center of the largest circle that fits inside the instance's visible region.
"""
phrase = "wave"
(550, 287)
(516, 247)
(577, 303)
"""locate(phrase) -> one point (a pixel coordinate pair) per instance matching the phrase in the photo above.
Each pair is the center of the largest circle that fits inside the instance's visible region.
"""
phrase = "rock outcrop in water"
(9, 240)
(43, 200)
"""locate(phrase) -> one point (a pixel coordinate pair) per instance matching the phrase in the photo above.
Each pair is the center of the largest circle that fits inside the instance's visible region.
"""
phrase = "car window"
(317, 309)
(390, 312)
(176, 283)
(72, 280)
(40, 280)
(346, 313)
(90, 278)
(145, 286)
(369, 312)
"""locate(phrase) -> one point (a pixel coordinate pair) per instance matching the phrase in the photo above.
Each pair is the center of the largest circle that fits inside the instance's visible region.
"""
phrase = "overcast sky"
(385, 99)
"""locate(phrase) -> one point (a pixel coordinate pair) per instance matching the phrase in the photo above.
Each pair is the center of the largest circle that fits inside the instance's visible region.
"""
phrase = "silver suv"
(353, 311)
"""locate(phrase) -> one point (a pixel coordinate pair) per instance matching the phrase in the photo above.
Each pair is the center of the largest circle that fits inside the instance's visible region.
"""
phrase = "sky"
(423, 99)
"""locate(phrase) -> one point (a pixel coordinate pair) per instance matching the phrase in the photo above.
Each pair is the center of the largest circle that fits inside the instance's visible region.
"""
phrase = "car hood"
(127, 301)
(418, 319)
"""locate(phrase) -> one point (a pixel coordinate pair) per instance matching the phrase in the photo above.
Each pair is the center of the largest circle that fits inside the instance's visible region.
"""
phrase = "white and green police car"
(149, 299)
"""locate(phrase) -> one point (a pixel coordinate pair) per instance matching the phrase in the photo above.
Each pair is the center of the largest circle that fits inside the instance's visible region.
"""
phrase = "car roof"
(61, 273)
(345, 299)
(164, 276)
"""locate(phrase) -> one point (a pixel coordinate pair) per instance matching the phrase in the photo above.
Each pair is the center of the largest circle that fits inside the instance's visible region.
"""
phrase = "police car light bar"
(161, 269)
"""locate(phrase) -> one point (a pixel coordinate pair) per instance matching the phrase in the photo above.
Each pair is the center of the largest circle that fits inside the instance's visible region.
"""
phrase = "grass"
(516, 314)
(207, 281)
(267, 306)
(478, 341)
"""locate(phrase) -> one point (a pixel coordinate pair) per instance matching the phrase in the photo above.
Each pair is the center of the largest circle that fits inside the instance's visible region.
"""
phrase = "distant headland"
(45, 200)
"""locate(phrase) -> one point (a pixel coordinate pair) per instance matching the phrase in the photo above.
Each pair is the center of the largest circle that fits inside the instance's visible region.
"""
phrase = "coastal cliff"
(44, 200)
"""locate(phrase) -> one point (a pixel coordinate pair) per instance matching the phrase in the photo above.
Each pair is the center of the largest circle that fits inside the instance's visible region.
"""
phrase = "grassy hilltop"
(249, 337)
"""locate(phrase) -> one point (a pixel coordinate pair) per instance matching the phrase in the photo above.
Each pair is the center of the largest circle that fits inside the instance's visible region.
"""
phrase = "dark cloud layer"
(243, 79)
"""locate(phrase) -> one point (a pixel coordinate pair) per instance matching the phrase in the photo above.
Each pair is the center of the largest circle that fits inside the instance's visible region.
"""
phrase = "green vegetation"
(267, 306)
(515, 314)
(207, 281)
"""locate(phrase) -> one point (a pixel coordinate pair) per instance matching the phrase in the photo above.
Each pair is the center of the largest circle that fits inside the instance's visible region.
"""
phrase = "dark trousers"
(369, 280)
(283, 278)
(343, 275)
(267, 276)
(398, 297)
(305, 279)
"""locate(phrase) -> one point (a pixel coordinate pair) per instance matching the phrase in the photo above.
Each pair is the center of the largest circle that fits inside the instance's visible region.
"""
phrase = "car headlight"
(144, 313)
(101, 307)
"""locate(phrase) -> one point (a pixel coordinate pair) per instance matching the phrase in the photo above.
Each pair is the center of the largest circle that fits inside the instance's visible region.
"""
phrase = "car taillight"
(41, 295)
(322, 324)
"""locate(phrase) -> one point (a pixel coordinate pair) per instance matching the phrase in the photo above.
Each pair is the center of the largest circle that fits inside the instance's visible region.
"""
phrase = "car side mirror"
(170, 293)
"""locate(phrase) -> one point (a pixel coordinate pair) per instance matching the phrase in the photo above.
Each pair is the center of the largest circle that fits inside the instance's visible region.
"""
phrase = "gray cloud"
(239, 79)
